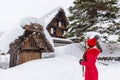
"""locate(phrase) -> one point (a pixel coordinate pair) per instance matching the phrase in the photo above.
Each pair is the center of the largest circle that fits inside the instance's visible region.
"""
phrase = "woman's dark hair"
(97, 37)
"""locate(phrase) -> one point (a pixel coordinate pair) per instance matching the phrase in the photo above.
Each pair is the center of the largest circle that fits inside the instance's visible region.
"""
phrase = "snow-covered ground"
(1, 33)
(63, 66)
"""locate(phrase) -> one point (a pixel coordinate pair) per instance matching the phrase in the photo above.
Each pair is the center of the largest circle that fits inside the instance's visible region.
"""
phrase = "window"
(52, 31)
(63, 32)
(59, 24)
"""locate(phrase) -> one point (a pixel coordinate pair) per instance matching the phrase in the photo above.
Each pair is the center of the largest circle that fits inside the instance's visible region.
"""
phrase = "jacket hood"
(94, 51)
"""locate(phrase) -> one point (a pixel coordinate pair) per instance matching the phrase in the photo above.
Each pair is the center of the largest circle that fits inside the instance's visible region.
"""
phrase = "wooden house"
(56, 23)
(30, 45)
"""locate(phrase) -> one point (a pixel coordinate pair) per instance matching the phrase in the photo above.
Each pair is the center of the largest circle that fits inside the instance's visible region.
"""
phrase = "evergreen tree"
(87, 14)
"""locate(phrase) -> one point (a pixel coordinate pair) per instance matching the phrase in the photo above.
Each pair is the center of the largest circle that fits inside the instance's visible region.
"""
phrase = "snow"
(110, 50)
(49, 16)
(61, 64)
(105, 24)
(9, 37)
(4, 61)
(64, 65)
(1, 33)
(92, 34)
(49, 38)
(62, 39)
(13, 34)
(29, 20)
(113, 37)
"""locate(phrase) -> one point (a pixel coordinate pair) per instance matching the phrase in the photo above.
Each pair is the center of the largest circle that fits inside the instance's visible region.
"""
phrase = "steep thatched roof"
(57, 14)
(36, 32)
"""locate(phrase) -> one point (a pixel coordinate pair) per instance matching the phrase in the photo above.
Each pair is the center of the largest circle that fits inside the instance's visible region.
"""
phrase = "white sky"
(12, 11)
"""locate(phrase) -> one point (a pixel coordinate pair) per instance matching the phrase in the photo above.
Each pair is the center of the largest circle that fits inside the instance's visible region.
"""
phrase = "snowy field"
(63, 63)
(63, 66)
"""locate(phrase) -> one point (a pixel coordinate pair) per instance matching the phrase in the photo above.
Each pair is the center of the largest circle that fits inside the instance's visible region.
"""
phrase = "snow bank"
(50, 69)
(4, 61)
(75, 49)
(64, 66)
(1, 33)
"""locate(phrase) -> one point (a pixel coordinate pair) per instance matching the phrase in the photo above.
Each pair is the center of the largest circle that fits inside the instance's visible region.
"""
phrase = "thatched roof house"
(56, 23)
(30, 45)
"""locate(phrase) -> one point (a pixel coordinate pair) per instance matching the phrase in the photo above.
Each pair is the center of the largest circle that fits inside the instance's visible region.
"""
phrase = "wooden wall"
(29, 50)
(26, 56)
(57, 30)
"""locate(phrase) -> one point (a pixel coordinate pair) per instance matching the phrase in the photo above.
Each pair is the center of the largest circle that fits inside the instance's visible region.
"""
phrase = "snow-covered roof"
(49, 16)
(13, 34)
(29, 20)
(9, 37)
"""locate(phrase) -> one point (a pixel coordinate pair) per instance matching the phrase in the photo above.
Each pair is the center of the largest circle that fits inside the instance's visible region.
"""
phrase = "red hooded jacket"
(91, 72)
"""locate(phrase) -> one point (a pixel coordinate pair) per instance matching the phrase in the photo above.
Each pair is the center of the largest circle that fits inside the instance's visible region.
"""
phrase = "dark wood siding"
(26, 56)
(30, 50)
(59, 24)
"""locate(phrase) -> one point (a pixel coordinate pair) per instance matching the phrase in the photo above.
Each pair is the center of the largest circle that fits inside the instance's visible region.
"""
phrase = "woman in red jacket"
(91, 72)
